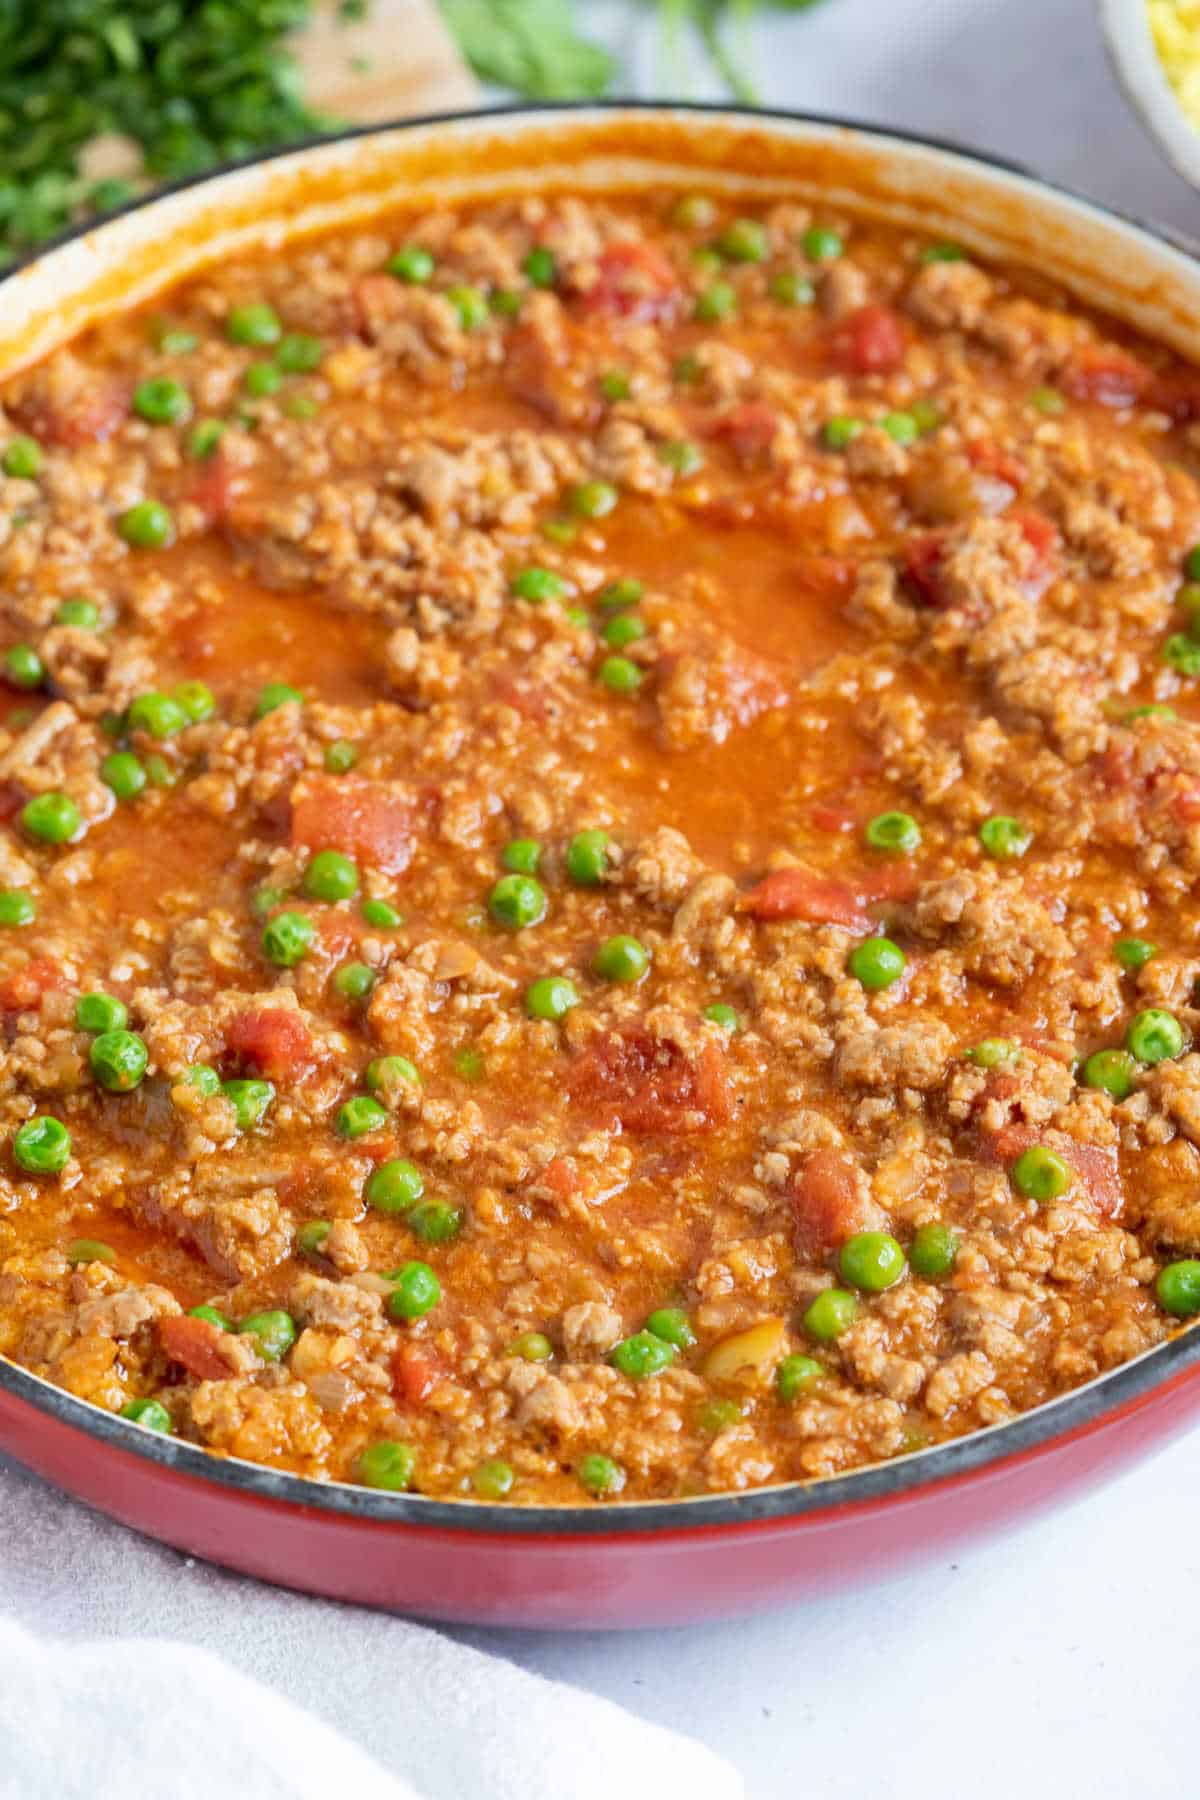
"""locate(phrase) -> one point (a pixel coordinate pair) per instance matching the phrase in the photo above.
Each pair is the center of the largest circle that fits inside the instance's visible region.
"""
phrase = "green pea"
(876, 963)
(718, 1415)
(1183, 654)
(531, 1346)
(933, 1251)
(298, 353)
(642, 1355)
(23, 458)
(359, 1116)
(273, 1331)
(600, 1475)
(417, 1291)
(693, 212)
(537, 585)
(265, 899)
(96, 1012)
(388, 1074)
(1155, 1036)
(744, 241)
(506, 303)
(493, 1479)
(593, 499)
(901, 427)
(250, 1099)
(1047, 400)
(1191, 563)
(718, 301)
(936, 253)
(148, 525)
(587, 857)
(52, 818)
(435, 1221)
(796, 1374)
(896, 833)
(388, 1465)
(469, 1064)
(719, 1013)
(619, 675)
(312, 1236)
(517, 901)
(159, 715)
(1134, 952)
(354, 980)
(615, 385)
(560, 531)
(621, 959)
(821, 244)
(84, 615)
(330, 876)
(541, 267)
(1040, 1173)
(470, 305)
(411, 263)
(395, 1187)
(871, 1260)
(840, 431)
(927, 415)
(522, 856)
(118, 1060)
(1004, 838)
(1112, 1071)
(204, 1079)
(829, 1314)
(151, 1415)
(681, 456)
(161, 401)
(1178, 1288)
(212, 1315)
(173, 341)
(672, 1325)
(255, 325)
(81, 1251)
(791, 288)
(687, 370)
(42, 1145)
(286, 939)
(550, 997)
(339, 757)
(994, 1053)
(17, 908)
(275, 695)
(159, 772)
(204, 439)
(624, 629)
(262, 379)
(620, 593)
(23, 667)
(381, 915)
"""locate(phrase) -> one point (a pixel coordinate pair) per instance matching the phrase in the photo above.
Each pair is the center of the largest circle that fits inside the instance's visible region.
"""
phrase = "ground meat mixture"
(601, 816)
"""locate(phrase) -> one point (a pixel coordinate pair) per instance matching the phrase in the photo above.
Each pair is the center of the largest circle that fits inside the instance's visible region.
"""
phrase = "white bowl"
(1126, 28)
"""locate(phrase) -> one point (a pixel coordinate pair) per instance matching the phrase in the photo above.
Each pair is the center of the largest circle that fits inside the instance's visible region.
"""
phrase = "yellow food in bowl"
(1175, 25)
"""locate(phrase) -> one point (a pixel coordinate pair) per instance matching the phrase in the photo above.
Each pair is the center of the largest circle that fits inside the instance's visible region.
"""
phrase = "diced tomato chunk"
(826, 1203)
(364, 819)
(894, 880)
(22, 991)
(12, 799)
(993, 459)
(1097, 1169)
(635, 280)
(1186, 805)
(71, 415)
(832, 818)
(749, 427)
(416, 1371)
(376, 299)
(650, 1085)
(800, 894)
(921, 564)
(1106, 374)
(196, 1343)
(211, 489)
(1039, 533)
(1177, 394)
(868, 342)
(273, 1041)
(561, 1176)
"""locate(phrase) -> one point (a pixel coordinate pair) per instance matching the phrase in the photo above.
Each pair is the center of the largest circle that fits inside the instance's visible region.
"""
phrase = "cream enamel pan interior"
(995, 209)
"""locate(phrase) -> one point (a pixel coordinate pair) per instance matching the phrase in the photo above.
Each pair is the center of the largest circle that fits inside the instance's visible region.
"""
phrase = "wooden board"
(396, 61)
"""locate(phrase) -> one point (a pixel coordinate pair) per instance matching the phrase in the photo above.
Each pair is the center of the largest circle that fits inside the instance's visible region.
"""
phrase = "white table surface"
(1061, 1660)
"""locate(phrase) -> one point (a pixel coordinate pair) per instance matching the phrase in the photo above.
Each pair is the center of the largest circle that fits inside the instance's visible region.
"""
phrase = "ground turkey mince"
(601, 817)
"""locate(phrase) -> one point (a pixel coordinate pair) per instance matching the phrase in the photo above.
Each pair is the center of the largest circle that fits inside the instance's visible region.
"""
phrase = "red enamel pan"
(600, 1564)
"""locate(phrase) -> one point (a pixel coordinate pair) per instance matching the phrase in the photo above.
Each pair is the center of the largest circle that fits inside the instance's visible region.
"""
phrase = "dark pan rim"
(1084, 1410)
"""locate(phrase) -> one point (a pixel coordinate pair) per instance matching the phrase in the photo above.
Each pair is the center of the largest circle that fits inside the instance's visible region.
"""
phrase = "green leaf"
(530, 46)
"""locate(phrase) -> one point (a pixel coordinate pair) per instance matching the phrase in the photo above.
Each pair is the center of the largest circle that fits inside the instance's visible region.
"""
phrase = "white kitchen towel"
(127, 1669)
